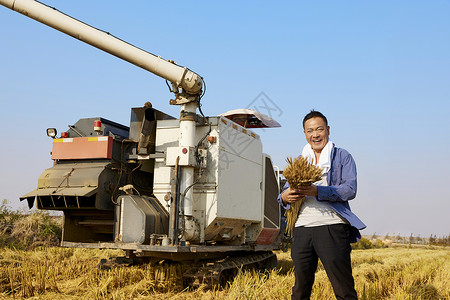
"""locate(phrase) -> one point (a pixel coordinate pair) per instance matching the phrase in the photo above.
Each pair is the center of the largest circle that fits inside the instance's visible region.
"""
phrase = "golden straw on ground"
(299, 172)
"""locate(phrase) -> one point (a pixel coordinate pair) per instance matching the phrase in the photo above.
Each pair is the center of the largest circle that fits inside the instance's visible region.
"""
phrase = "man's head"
(314, 114)
(316, 130)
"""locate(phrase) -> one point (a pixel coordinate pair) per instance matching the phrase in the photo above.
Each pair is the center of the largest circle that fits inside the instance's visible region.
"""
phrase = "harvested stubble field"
(60, 273)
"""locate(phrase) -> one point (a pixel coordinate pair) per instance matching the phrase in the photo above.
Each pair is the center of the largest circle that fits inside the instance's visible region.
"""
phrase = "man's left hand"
(310, 190)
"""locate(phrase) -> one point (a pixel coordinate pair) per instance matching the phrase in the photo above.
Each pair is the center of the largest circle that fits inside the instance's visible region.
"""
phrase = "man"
(325, 226)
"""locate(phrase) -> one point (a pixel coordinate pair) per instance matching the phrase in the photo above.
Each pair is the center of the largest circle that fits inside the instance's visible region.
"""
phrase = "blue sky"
(379, 70)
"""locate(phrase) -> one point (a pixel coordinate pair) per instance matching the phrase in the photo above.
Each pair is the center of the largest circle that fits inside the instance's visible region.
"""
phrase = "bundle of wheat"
(299, 172)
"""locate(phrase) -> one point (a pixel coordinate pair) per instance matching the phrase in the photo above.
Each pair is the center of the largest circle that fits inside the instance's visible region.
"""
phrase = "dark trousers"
(331, 244)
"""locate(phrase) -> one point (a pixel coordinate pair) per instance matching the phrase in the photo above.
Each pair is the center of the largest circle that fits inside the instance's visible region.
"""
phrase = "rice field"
(67, 273)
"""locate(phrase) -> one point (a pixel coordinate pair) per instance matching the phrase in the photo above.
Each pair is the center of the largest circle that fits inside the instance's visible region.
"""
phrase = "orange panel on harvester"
(83, 148)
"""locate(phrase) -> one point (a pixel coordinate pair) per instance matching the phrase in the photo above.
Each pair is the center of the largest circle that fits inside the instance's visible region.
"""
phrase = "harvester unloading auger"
(190, 189)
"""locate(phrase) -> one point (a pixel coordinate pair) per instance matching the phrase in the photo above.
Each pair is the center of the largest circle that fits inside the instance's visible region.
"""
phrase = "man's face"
(317, 133)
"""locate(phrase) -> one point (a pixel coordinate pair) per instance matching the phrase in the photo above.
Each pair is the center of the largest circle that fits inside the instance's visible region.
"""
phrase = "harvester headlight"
(51, 132)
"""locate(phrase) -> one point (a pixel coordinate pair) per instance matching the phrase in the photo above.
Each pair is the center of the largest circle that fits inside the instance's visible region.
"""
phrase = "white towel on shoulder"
(324, 159)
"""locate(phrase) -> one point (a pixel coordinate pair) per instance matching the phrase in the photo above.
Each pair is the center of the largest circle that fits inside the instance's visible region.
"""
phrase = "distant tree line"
(437, 241)
(382, 241)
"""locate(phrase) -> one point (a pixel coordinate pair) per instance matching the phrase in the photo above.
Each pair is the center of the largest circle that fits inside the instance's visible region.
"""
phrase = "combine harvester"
(160, 189)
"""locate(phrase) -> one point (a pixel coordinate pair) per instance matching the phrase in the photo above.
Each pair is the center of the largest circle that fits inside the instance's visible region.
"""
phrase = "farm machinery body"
(194, 188)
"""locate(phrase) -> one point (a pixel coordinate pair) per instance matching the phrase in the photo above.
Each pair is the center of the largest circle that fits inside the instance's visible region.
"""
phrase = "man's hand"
(291, 196)
(310, 190)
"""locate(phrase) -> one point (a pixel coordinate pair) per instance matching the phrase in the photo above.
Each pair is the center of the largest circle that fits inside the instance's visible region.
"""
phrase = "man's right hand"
(291, 196)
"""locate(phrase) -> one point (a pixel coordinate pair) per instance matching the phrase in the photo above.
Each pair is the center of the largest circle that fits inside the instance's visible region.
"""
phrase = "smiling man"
(325, 225)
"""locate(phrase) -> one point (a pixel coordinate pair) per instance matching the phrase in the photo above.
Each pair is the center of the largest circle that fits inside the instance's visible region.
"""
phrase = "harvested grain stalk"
(299, 172)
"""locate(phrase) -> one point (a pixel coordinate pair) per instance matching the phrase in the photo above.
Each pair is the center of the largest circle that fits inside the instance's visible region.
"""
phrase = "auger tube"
(184, 78)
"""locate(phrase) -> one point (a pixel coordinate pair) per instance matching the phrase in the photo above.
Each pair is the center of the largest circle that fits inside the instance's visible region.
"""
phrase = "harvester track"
(219, 272)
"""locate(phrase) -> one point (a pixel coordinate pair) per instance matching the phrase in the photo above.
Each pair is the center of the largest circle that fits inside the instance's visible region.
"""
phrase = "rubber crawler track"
(218, 272)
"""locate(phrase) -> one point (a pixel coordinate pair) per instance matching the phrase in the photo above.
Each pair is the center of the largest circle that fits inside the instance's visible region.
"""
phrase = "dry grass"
(28, 231)
(55, 273)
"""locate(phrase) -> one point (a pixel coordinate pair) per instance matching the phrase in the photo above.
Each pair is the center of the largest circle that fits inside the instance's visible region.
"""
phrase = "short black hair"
(314, 114)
